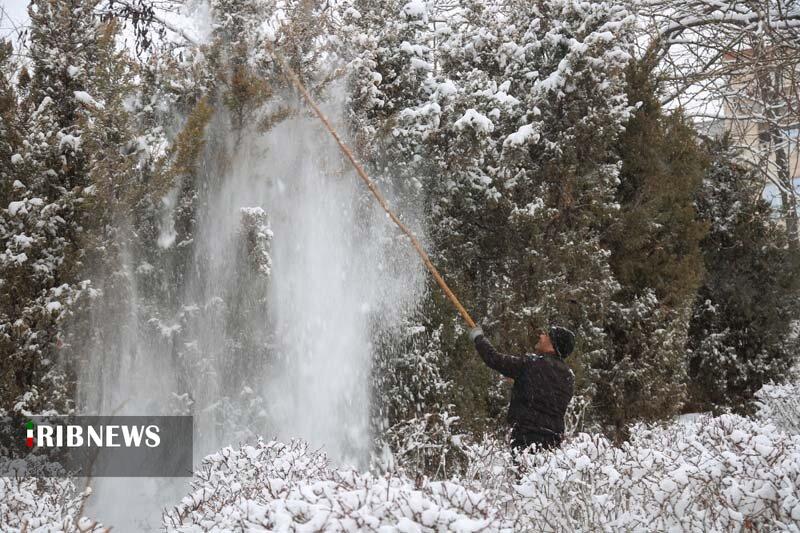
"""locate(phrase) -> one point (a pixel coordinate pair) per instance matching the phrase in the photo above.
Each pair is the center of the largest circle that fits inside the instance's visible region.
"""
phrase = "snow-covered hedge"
(780, 404)
(712, 474)
(727, 473)
(287, 487)
(41, 505)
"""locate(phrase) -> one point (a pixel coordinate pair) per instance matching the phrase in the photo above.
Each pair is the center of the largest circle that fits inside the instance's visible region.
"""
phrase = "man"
(543, 386)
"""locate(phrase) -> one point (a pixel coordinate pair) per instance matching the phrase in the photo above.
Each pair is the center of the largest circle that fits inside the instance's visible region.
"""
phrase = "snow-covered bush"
(578, 415)
(426, 444)
(287, 487)
(436, 445)
(713, 474)
(41, 505)
(780, 405)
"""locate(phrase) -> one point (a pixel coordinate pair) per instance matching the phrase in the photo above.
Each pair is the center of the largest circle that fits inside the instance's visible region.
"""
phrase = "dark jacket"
(543, 388)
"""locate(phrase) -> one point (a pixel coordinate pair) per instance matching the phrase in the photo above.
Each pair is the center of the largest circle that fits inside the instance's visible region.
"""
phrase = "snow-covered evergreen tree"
(505, 117)
(742, 333)
(507, 133)
(655, 256)
(44, 225)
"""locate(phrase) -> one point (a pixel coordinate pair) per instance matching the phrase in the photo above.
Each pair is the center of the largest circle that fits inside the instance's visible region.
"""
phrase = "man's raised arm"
(509, 365)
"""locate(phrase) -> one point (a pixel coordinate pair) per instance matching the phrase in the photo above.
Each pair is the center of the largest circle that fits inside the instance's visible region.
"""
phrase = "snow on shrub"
(39, 505)
(287, 487)
(715, 474)
(780, 405)
(433, 444)
(426, 444)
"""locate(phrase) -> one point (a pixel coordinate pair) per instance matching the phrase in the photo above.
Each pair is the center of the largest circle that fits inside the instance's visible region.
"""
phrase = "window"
(772, 194)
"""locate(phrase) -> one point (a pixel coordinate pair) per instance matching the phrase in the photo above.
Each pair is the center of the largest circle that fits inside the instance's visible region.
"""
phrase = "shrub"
(711, 474)
(41, 505)
(780, 405)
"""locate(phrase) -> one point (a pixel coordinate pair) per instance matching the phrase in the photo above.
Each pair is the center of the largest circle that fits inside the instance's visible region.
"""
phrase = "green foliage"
(10, 134)
(741, 333)
(642, 374)
(656, 258)
(47, 224)
(656, 244)
(506, 135)
(189, 143)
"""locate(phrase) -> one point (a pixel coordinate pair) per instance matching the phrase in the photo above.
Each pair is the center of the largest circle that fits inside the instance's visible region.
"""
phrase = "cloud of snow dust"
(326, 289)
(339, 276)
(331, 289)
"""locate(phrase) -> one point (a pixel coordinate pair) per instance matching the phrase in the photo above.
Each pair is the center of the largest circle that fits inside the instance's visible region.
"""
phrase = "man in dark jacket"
(543, 386)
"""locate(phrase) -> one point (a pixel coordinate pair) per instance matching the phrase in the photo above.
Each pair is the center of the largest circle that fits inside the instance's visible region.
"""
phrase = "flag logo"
(29, 440)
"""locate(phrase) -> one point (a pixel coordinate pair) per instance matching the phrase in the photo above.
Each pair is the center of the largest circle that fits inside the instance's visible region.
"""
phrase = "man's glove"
(475, 332)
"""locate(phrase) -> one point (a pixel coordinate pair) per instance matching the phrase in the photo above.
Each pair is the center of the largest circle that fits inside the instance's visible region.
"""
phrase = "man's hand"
(475, 332)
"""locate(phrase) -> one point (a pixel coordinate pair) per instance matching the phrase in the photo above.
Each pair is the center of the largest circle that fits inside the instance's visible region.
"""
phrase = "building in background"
(761, 111)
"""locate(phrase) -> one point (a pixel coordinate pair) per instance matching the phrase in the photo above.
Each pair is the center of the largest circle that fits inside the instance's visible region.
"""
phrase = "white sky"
(14, 16)
(194, 20)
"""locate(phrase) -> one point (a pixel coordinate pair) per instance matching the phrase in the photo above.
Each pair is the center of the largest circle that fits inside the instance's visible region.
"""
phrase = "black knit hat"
(563, 340)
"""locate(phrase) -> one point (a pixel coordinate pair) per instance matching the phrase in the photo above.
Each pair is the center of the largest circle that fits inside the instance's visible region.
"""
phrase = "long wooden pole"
(292, 75)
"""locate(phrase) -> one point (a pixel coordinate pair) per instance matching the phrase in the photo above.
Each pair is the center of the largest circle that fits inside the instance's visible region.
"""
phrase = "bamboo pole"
(292, 75)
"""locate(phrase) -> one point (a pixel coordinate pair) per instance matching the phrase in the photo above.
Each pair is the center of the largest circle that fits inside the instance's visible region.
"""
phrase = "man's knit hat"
(563, 340)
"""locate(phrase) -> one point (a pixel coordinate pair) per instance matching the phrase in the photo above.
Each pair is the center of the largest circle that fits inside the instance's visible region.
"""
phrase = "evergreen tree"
(118, 170)
(386, 81)
(526, 170)
(504, 128)
(386, 76)
(656, 244)
(504, 117)
(655, 256)
(741, 334)
(45, 221)
(10, 134)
